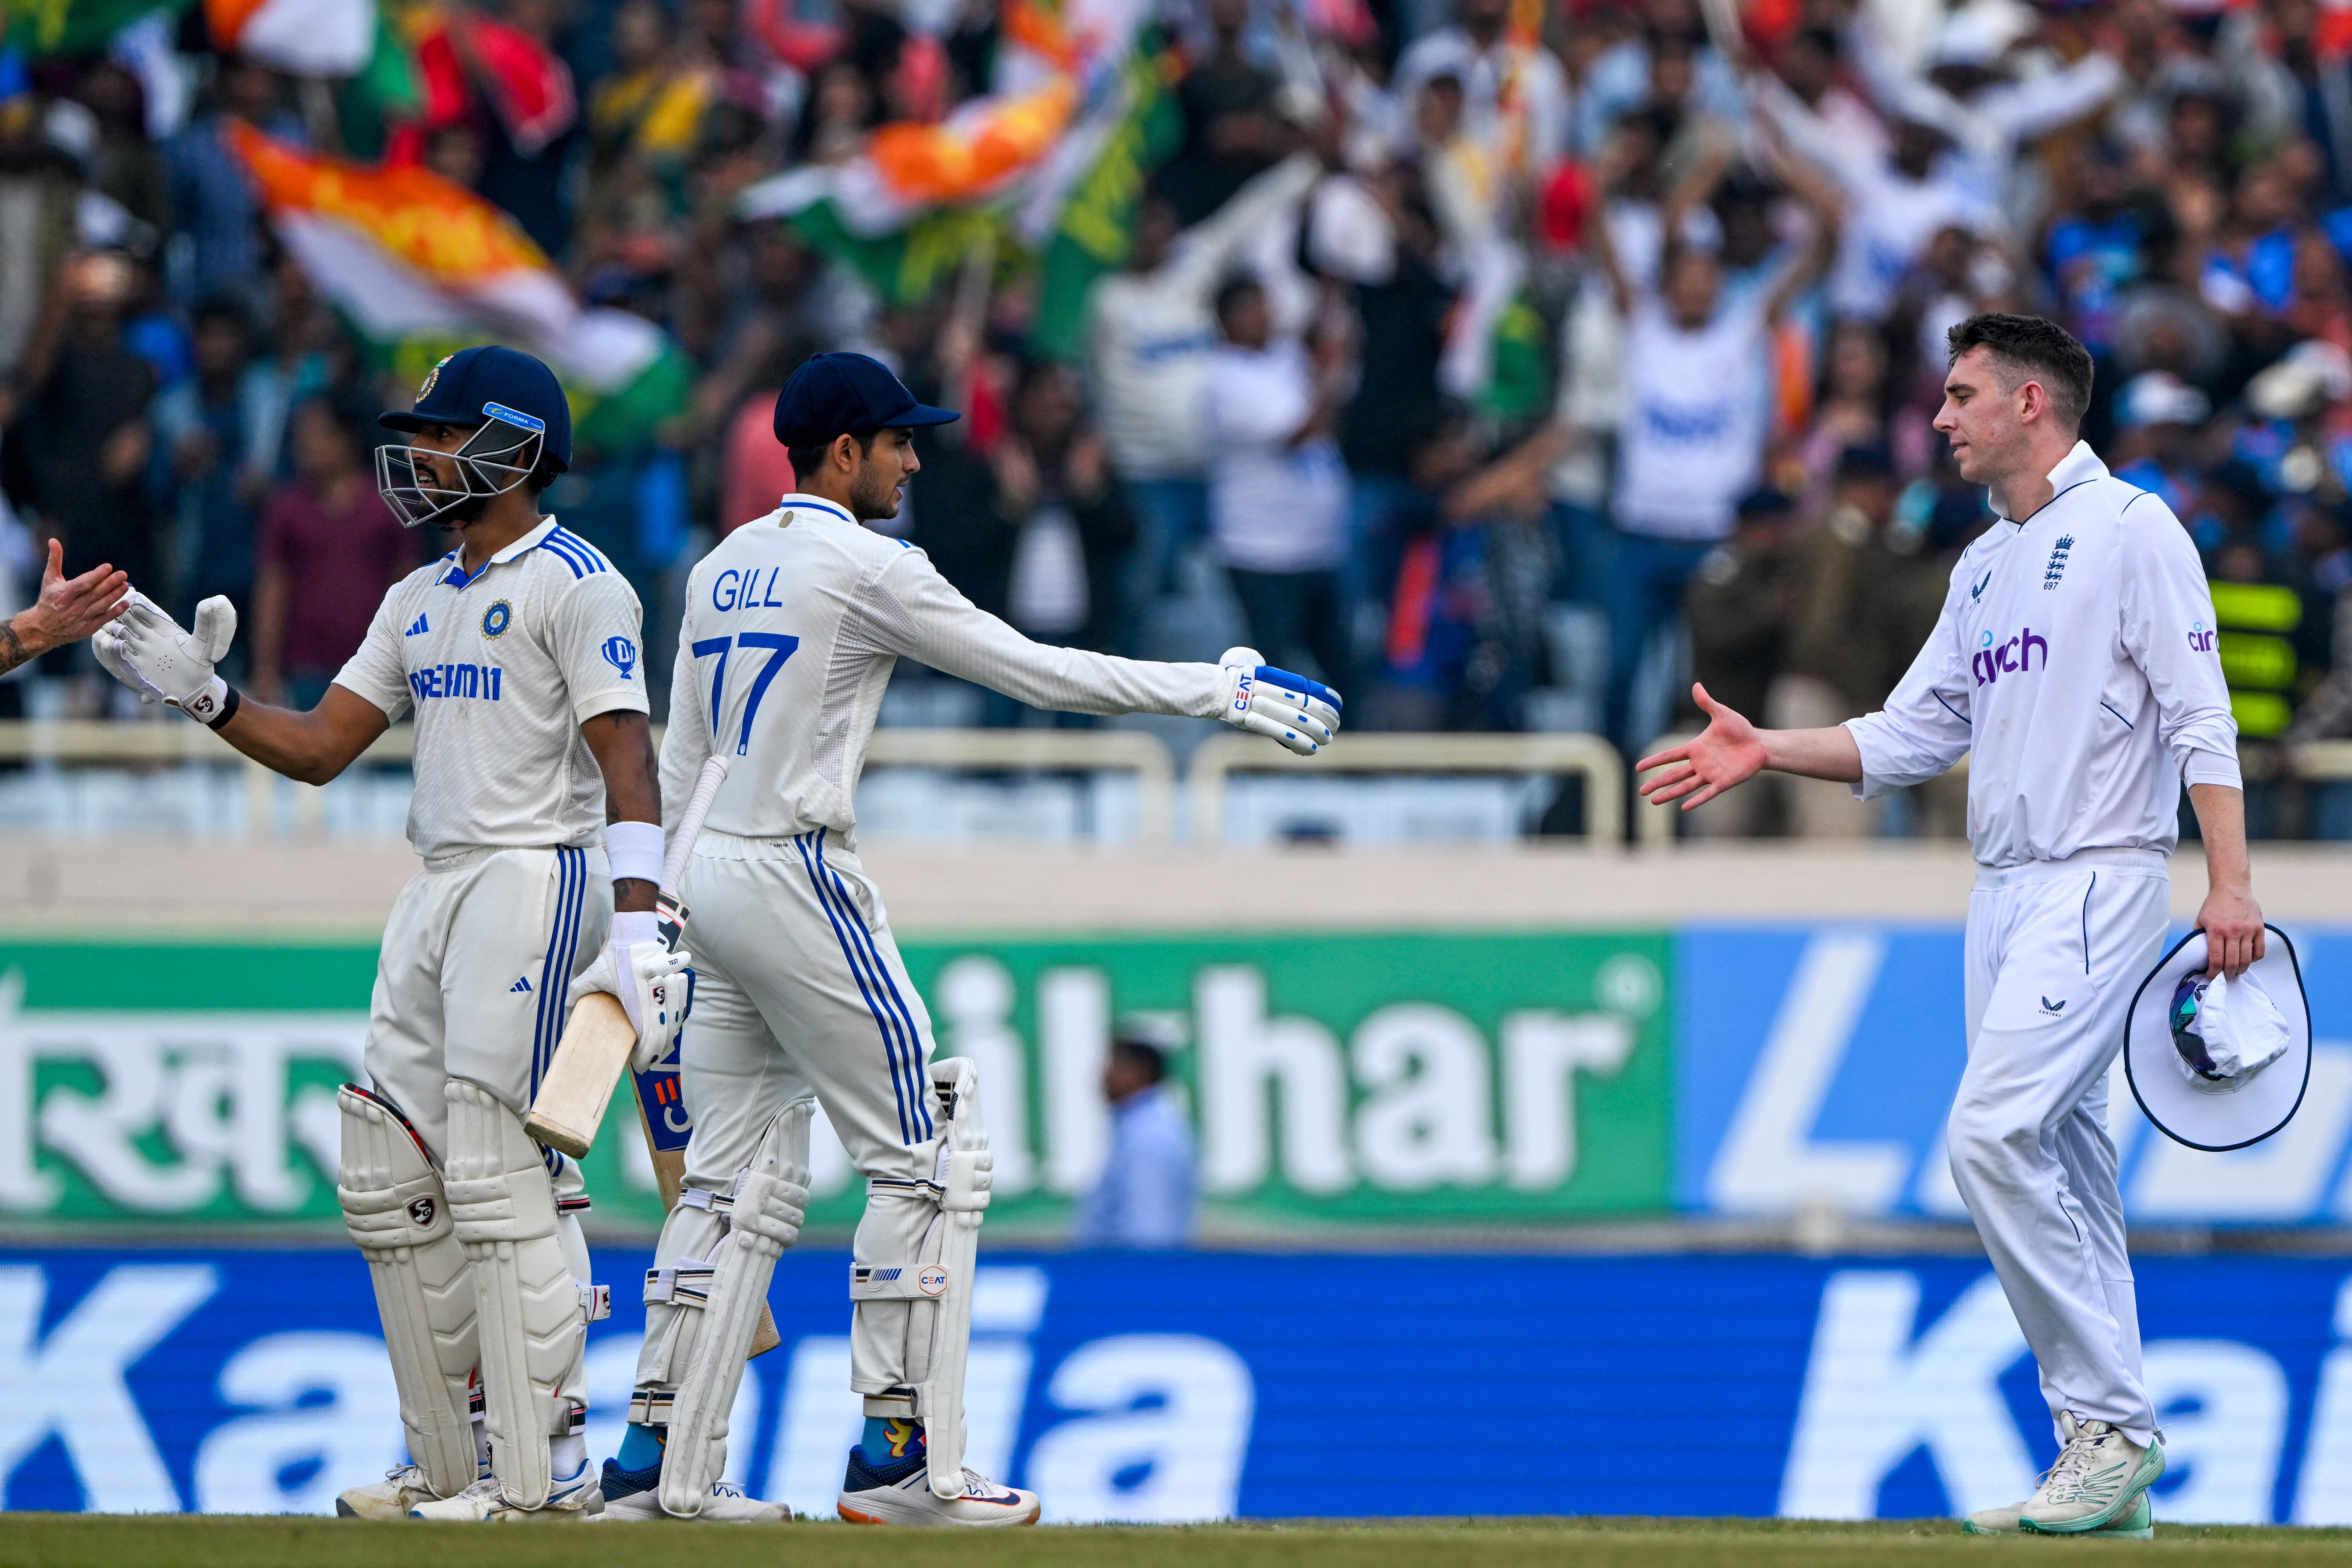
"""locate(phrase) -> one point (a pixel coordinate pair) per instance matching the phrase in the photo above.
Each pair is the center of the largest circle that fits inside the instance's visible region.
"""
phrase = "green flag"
(905, 266)
(1097, 221)
(38, 27)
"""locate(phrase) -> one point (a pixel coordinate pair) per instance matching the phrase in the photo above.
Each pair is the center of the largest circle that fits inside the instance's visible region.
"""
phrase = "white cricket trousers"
(2055, 950)
(799, 991)
(478, 954)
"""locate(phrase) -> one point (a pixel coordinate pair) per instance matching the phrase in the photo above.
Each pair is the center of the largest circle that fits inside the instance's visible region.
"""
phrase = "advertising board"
(1394, 1079)
(1815, 1065)
(1203, 1385)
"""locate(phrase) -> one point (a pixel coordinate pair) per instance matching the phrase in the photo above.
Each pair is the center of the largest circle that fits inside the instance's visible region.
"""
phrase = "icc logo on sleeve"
(621, 653)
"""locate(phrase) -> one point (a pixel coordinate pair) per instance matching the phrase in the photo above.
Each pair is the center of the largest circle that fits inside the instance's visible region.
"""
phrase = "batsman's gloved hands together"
(146, 650)
(1302, 714)
(652, 981)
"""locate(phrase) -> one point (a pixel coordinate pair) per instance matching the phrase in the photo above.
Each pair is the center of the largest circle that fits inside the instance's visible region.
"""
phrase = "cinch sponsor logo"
(2015, 656)
(434, 681)
(2200, 637)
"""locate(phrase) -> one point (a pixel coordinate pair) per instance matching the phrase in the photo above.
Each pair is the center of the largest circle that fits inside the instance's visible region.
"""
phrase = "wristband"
(631, 927)
(634, 849)
(231, 699)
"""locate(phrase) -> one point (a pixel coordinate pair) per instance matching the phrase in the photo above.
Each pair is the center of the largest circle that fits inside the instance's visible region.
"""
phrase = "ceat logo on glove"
(932, 1281)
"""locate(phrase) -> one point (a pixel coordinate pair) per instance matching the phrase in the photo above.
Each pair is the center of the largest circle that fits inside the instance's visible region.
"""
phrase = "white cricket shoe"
(485, 1503)
(2099, 1475)
(635, 1495)
(391, 1497)
(901, 1493)
(2139, 1524)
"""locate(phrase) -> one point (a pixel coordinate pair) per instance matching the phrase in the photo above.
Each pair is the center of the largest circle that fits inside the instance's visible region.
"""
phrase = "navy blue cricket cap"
(476, 386)
(837, 393)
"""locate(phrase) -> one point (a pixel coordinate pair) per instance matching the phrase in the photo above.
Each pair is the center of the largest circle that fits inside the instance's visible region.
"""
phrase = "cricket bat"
(597, 1042)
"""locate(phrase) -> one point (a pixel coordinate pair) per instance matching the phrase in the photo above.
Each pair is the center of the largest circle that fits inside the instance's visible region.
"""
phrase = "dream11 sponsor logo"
(2200, 637)
(2015, 656)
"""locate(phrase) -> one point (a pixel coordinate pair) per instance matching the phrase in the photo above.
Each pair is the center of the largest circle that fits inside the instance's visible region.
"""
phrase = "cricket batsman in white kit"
(793, 624)
(2074, 666)
(537, 802)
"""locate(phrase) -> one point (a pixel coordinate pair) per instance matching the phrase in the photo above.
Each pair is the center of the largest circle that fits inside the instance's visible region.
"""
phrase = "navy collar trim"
(797, 502)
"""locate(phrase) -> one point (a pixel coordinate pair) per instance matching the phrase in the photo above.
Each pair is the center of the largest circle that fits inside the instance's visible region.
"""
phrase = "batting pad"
(937, 1283)
(527, 1305)
(399, 1217)
(763, 1218)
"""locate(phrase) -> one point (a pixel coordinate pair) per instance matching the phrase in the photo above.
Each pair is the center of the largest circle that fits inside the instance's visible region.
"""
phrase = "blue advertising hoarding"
(1203, 1385)
(1815, 1066)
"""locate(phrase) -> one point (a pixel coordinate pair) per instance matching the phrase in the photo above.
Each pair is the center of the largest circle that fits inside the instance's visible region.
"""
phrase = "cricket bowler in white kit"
(2074, 666)
(519, 654)
(791, 627)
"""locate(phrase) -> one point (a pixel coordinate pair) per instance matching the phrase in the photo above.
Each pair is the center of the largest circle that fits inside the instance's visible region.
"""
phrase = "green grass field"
(63, 1540)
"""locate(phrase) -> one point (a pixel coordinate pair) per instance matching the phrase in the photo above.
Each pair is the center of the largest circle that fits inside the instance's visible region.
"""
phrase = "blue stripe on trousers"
(555, 970)
(912, 1035)
(857, 973)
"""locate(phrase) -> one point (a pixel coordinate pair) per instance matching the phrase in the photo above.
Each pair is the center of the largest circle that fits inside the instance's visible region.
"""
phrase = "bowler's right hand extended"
(68, 608)
(1727, 753)
(1302, 714)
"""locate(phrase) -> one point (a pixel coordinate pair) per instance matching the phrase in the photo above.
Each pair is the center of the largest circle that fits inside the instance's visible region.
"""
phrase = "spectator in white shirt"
(1150, 332)
(1277, 490)
(1515, 95)
(1900, 197)
(1690, 438)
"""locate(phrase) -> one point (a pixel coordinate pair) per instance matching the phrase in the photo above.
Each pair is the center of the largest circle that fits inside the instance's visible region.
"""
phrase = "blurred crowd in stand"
(1508, 364)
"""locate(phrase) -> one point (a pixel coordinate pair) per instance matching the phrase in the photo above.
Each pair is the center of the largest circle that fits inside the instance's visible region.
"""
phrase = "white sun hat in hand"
(2219, 1063)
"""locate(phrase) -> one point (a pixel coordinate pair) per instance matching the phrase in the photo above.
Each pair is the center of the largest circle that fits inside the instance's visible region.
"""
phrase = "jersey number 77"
(780, 647)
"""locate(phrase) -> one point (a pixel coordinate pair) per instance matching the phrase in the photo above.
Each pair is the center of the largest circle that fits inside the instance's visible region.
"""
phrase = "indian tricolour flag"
(906, 211)
(406, 254)
(309, 38)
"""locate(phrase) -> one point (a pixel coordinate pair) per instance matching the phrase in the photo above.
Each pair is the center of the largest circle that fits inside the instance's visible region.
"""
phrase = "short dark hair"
(1143, 1056)
(806, 461)
(224, 310)
(1234, 290)
(2031, 346)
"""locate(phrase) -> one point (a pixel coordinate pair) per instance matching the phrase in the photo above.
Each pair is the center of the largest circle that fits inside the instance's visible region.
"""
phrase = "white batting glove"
(1302, 714)
(177, 666)
(652, 982)
(106, 643)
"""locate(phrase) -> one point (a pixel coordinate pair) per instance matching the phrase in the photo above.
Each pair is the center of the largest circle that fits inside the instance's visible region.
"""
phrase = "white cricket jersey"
(502, 667)
(793, 625)
(2074, 665)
